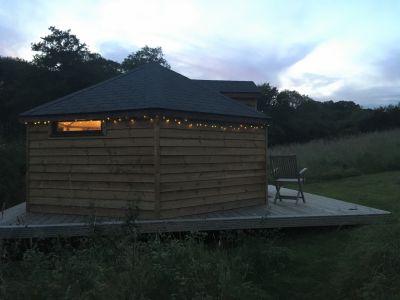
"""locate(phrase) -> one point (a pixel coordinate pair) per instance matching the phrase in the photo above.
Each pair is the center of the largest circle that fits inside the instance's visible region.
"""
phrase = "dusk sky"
(339, 50)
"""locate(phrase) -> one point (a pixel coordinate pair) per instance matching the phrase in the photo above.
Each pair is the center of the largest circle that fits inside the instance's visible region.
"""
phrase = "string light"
(176, 121)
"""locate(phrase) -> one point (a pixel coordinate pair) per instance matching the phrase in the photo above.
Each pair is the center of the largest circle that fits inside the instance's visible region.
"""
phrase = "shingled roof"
(150, 87)
(230, 86)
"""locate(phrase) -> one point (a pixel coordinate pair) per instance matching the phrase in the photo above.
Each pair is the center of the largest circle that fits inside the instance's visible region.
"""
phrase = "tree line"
(63, 64)
(298, 118)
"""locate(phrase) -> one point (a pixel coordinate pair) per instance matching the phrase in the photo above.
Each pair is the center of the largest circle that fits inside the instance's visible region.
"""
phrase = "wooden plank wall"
(103, 175)
(209, 169)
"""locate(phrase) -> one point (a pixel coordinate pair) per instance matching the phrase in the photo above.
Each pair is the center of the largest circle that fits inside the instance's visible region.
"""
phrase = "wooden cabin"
(149, 141)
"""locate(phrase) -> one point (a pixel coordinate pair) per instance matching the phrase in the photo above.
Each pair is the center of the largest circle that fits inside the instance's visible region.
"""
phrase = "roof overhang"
(150, 113)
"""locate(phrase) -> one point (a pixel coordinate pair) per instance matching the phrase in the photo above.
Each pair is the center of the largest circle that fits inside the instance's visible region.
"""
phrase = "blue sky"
(329, 50)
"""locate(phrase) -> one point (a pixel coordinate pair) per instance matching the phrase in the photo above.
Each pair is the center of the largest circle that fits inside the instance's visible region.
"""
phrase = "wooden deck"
(318, 211)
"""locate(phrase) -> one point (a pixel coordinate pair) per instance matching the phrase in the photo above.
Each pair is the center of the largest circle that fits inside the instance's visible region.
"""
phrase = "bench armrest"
(301, 173)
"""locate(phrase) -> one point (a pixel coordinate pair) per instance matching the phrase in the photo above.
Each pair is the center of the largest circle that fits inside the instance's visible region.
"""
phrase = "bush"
(125, 267)
(12, 172)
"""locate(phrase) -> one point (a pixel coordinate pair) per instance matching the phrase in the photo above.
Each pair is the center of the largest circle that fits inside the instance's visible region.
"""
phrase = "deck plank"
(317, 211)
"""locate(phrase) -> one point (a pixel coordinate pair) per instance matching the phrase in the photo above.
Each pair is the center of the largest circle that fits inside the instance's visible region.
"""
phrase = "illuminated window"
(76, 128)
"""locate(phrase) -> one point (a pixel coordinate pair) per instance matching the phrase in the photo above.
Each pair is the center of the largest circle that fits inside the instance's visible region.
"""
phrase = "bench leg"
(301, 191)
(278, 193)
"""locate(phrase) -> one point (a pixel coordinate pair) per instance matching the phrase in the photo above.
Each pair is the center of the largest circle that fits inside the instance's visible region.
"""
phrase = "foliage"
(315, 263)
(62, 65)
(124, 267)
(382, 118)
(63, 54)
(12, 172)
(297, 118)
(144, 56)
(348, 156)
(59, 50)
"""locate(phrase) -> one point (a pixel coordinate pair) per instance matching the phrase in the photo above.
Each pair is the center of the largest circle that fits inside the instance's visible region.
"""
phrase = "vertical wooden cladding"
(210, 169)
(103, 175)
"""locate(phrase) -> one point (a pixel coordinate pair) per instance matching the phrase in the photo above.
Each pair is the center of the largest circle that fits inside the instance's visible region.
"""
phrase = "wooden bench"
(284, 170)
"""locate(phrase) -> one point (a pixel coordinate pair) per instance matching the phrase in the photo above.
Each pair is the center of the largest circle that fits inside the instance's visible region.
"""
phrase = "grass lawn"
(352, 262)
(306, 263)
(380, 190)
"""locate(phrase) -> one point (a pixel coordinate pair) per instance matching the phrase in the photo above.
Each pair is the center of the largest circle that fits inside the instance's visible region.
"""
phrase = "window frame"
(55, 133)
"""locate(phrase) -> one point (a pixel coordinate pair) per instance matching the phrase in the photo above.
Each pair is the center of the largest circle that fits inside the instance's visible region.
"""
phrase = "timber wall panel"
(93, 185)
(94, 173)
(196, 176)
(101, 151)
(201, 169)
(206, 169)
(84, 177)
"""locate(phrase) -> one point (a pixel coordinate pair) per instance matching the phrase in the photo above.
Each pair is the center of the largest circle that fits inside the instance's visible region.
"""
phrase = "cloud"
(369, 96)
(326, 49)
(227, 60)
(389, 64)
(20, 23)
(115, 50)
(11, 41)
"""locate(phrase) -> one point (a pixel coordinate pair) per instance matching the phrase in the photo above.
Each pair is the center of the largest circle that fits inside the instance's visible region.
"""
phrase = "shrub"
(126, 267)
(12, 172)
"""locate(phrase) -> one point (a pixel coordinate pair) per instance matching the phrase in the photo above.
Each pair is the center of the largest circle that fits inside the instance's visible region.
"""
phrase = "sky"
(328, 50)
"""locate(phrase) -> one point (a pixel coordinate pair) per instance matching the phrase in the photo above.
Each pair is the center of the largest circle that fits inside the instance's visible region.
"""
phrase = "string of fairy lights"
(169, 120)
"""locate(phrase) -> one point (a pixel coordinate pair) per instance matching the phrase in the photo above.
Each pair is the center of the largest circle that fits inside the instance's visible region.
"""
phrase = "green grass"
(316, 263)
(377, 190)
(319, 263)
(356, 262)
(349, 156)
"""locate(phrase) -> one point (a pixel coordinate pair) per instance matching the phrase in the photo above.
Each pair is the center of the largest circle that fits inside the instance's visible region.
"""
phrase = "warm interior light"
(68, 126)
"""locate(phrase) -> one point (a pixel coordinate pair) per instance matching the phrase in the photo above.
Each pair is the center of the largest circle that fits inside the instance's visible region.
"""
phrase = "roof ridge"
(228, 80)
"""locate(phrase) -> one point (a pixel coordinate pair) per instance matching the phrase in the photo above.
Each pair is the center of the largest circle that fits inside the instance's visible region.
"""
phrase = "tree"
(292, 99)
(59, 50)
(22, 86)
(268, 97)
(144, 56)
(70, 61)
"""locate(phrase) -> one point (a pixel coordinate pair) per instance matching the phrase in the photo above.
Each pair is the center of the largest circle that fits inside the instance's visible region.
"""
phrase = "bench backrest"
(284, 166)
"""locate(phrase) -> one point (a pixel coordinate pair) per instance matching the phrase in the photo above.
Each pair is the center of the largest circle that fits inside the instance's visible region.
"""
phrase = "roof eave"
(150, 112)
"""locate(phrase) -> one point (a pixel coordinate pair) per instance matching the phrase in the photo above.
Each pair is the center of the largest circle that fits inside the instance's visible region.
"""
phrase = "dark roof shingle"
(230, 86)
(148, 87)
